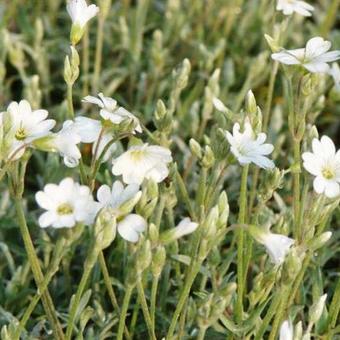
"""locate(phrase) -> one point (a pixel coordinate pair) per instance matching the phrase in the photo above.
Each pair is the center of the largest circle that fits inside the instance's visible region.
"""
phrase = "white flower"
(80, 12)
(288, 7)
(26, 126)
(121, 201)
(65, 141)
(314, 57)
(286, 330)
(89, 131)
(324, 164)
(66, 204)
(277, 246)
(334, 71)
(248, 148)
(142, 161)
(111, 111)
(185, 227)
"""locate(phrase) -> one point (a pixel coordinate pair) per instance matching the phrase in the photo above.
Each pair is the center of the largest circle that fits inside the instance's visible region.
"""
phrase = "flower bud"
(298, 330)
(143, 257)
(195, 148)
(104, 228)
(223, 209)
(158, 261)
(319, 241)
(273, 44)
(153, 233)
(251, 106)
(316, 310)
(71, 67)
(208, 158)
(148, 201)
(185, 227)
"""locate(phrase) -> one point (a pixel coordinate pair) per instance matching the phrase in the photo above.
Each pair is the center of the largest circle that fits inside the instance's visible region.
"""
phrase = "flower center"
(64, 209)
(20, 134)
(328, 173)
(137, 154)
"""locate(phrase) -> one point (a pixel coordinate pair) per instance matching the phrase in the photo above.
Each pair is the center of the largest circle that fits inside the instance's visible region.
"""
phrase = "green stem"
(99, 49)
(201, 333)
(240, 244)
(121, 325)
(330, 18)
(296, 189)
(270, 314)
(154, 288)
(145, 309)
(70, 102)
(334, 309)
(36, 270)
(88, 265)
(52, 270)
(183, 298)
(109, 288)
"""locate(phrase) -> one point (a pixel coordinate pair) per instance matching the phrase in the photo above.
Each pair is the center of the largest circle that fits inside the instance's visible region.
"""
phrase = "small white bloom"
(314, 57)
(26, 126)
(286, 331)
(277, 246)
(334, 71)
(65, 141)
(248, 148)
(288, 7)
(324, 164)
(121, 201)
(111, 111)
(66, 204)
(142, 161)
(185, 227)
(80, 12)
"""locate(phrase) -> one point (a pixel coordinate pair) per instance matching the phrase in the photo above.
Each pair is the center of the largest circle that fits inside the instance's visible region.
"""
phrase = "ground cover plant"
(169, 169)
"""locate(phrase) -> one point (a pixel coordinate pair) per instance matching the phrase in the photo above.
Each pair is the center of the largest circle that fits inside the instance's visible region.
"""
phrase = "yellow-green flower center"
(328, 173)
(20, 134)
(137, 154)
(64, 209)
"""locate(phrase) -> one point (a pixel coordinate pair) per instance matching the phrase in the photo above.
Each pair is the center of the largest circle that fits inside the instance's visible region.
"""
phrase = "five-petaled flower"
(67, 204)
(142, 161)
(314, 57)
(248, 148)
(26, 126)
(324, 164)
(109, 110)
(80, 14)
(288, 7)
(120, 201)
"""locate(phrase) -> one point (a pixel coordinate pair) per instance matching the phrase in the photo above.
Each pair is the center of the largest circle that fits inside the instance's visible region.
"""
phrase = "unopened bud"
(208, 158)
(143, 257)
(272, 43)
(195, 148)
(104, 228)
(319, 241)
(316, 310)
(153, 233)
(251, 106)
(158, 261)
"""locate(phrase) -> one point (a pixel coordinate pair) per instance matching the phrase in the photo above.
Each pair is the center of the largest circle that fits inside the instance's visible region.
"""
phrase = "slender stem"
(240, 244)
(296, 189)
(201, 333)
(270, 314)
(279, 314)
(36, 270)
(52, 270)
(99, 49)
(145, 309)
(123, 313)
(110, 289)
(86, 62)
(334, 308)
(330, 18)
(154, 288)
(183, 298)
(88, 265)
(70, 101)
